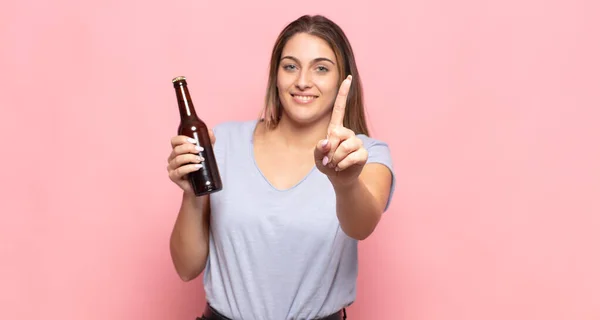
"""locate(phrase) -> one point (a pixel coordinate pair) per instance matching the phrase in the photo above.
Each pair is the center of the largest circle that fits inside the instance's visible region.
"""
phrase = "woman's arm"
(361, 204)
(189, 238)
(362, 189)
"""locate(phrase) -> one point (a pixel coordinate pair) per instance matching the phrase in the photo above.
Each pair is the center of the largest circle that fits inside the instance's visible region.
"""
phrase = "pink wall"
(491, 109)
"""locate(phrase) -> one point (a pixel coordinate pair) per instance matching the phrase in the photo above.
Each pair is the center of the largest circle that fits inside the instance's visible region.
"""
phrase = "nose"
(303, 81)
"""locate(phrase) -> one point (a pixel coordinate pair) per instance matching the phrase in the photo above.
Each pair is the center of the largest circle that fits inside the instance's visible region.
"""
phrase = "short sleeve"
(229, 136)
(225, 133)
(219, 131)
(379, 152)
(221, 137)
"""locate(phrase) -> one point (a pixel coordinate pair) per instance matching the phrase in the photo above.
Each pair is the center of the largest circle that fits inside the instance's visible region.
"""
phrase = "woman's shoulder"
(234, 129)
(379, 150)
(379, 153)
(233, 126)
(371, 142)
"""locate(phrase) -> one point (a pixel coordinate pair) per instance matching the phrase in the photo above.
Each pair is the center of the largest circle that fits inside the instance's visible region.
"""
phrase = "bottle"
(207, 179)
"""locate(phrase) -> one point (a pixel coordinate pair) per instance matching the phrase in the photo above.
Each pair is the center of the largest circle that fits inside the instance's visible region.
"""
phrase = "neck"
(299, 136)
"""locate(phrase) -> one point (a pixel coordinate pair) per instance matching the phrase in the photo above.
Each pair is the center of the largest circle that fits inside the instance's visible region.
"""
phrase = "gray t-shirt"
(277, 254)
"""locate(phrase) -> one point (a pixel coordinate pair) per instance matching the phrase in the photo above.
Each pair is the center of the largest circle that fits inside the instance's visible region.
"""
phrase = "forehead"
(306, 47)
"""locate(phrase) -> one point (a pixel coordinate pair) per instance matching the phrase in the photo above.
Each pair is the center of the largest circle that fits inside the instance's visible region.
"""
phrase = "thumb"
(211, 135)
(321, 151)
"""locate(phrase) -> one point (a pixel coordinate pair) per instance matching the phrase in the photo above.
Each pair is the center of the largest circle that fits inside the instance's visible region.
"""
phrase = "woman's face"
(307, 79)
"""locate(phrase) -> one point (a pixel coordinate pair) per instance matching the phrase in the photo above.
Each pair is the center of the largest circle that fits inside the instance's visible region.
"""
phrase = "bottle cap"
(178, 79)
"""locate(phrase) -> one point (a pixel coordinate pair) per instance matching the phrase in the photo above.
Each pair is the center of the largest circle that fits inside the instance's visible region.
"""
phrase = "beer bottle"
(207, 179)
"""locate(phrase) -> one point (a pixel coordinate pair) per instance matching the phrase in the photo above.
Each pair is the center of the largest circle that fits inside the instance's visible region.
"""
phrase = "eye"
(322, 69)
(289, 67)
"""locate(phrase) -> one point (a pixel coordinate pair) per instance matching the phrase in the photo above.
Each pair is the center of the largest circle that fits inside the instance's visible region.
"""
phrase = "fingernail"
(199, 158)
(325, 160)
(350, 77)
(324, 143)
(199, 148)
(198, 166)
(191, 140)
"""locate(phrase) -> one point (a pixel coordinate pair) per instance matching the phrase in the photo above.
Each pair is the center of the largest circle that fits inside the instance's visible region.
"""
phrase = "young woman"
(301, 186)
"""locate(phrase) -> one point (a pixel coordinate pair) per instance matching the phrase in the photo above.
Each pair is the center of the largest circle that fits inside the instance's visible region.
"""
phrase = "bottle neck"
(184, 100)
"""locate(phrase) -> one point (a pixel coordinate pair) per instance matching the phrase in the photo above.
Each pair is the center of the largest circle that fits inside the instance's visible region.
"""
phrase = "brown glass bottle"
(207, 179)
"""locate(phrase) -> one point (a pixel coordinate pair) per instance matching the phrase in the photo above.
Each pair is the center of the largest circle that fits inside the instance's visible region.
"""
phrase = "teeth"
(305, 98)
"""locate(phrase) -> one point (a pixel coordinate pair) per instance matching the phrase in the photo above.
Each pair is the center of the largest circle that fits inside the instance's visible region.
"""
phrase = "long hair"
(322, 27)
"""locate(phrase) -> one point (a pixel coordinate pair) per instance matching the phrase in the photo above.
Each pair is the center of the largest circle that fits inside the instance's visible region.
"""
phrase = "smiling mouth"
(303, 98)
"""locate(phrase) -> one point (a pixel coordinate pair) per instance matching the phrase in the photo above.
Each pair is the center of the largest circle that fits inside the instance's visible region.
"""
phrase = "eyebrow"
(313, 61)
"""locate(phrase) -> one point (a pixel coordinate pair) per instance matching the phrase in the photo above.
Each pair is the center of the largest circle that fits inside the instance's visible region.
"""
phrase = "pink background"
(491, 109)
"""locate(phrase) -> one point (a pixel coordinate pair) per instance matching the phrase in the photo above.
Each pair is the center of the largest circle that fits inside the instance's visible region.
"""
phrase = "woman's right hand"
(184, 158)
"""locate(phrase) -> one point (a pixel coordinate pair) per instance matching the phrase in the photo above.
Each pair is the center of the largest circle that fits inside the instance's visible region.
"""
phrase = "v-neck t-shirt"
(277, 254)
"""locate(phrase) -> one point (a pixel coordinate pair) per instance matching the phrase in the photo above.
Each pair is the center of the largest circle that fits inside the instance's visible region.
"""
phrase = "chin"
(304, 116)
(304, 121)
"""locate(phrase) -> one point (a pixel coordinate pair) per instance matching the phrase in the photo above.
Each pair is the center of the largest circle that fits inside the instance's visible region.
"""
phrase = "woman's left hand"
(341, 156)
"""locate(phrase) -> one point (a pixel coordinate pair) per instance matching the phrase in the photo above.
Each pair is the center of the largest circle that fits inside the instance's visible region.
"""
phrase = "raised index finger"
(339, 107)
